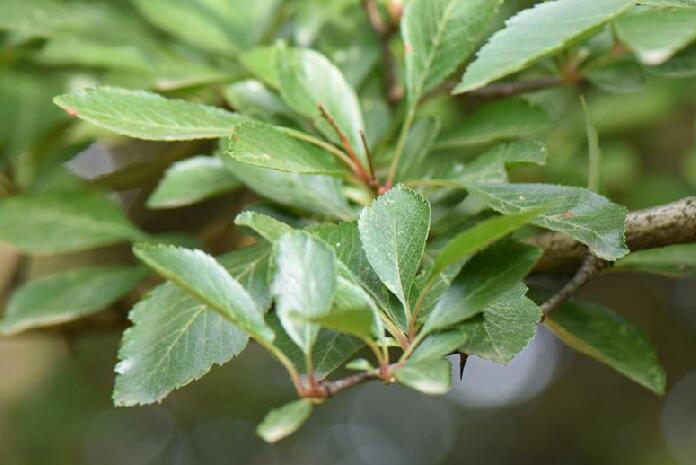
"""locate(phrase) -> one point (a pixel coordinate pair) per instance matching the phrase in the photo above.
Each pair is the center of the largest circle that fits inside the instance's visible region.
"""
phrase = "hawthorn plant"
(380, 238)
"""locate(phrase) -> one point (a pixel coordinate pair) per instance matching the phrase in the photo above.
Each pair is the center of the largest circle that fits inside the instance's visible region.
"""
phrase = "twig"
(384, 33)
(589, 269)
(360, 170)
(674, 223)
(330, 388)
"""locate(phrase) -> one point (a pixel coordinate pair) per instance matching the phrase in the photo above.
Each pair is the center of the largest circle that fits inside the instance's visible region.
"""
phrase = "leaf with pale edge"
(534, 33)
(430, 376)
(304, 284)
(191, 181)
(307, 79)
(67, 296)
(506, 119)
(207, 280)
(176, 339)
(266, 226)
(266, 146)
(144, 115)
(605, 336)
(438, 36)
(393, 231)
(481, 282)
(503, 329)
(282, 422)
(74, 221)
(579, 213)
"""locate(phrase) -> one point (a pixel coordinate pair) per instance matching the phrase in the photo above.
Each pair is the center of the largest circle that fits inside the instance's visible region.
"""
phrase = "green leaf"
(266, 146)
(191, 181)
(251, 98)
(439, 345)
(67, 296)
(418, 143)
(670, 3)
(309, 193)
(353, 312)
(308, 79)
(222, 26)
(478, 237)
(175, 339)
(579, 213)
(303, 285)
(504, 328)
(261, 62)
(267, 227)
(330, 350)
(674, 260)
(491, 166)
(439, 35)
(344, 238)
(654, 35)
(593, 151)
(506, 119)
(544, 29)
(251, 267)
(144, 115)
(63, 222)
(393, 231)
(624, 76)
(203, 277)
(481, 282)
(156, 356)
(681, 65)
(605, 336)
(283, 421)
(430, 376)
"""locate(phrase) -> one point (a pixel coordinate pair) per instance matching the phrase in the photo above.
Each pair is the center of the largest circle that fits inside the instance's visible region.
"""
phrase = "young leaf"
(439, 345)
(203, 277)
(674, 260)
(580, 213)
(251, 98)
(175, 339)
(503, 329)
(267, 227)
(192, 181)
(303, 285)
(656, 34)
(544, 29)
(393, 232)
(261, 62)
(156, 356)
(283, 421)
(310, 193)
(483, 280)
(308, 79)
(430, 376)
(478, 237)
(506, 119)
(67, 296)
(265, 146)
(491, 166)
(330, 351)
(353, 312)
(605, 336)
(217, 26)
(344, 238)
(439, 35)
(144, 115)
(75, 220)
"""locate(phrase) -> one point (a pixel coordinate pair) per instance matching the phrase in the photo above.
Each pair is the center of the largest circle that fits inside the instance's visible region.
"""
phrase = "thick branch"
(674, 223)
